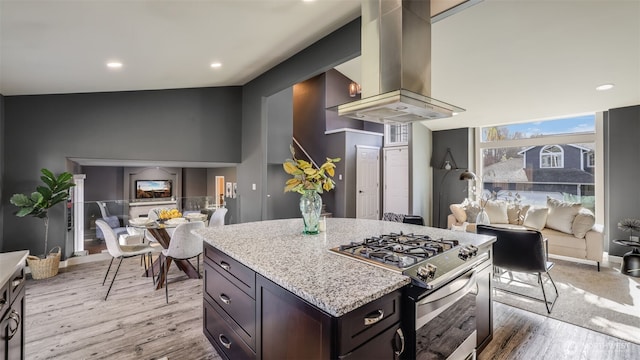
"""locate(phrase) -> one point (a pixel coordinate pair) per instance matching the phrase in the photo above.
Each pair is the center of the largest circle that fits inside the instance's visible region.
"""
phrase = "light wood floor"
(67, 318)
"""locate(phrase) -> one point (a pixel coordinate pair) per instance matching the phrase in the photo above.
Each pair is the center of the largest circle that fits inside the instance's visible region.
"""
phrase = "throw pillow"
(561, 215)
(462, 227)
(497, 211)
(458, 211)
(582, 223)
(536, 218)
(112, 221)
(516, 213)
(472, 209)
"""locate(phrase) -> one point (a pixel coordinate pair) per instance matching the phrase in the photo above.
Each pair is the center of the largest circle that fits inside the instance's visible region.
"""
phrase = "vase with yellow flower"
(310, 181)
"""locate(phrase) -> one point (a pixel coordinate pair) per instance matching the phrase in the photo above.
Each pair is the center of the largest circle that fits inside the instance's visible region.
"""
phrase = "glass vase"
(482, 218)
(310, 207)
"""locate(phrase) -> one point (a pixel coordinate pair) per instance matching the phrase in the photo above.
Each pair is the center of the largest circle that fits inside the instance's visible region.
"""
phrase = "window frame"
(546, 153)
(387, 136)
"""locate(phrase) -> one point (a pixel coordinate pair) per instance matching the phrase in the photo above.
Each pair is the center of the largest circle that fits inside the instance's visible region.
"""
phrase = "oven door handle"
(428, 308)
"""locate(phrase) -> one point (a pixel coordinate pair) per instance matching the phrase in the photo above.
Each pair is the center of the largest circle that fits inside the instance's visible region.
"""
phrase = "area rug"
(605, 301)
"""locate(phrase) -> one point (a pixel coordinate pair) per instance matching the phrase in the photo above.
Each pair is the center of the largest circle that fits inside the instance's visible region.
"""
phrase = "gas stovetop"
(426, 260)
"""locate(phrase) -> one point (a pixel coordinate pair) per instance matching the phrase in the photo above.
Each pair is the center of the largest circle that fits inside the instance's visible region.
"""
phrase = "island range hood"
(396, 65)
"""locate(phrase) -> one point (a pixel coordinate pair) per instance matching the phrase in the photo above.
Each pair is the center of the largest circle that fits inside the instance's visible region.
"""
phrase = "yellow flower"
(308, 177)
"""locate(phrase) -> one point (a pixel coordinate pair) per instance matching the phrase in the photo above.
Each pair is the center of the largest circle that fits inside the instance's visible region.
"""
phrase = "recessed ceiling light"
(604, 87)
(114, 64)
(454, 113)
(216, 65)
(308, 0)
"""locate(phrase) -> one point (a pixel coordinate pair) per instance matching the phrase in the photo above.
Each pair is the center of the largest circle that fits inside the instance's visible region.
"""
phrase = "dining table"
(160, 233)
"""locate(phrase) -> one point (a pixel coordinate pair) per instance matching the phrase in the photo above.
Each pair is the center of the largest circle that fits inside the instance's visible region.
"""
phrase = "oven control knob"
(464, 253)
(427, 271)
(467, 251)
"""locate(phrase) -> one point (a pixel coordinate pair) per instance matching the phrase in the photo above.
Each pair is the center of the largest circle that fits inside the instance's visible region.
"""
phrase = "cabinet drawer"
(367, 321)
(240, 308)
(223, 338)
(16, 284)
(243, 277)
(386, 346)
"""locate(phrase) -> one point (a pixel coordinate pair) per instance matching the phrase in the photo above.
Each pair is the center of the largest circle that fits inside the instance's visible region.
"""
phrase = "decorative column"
(77, 198)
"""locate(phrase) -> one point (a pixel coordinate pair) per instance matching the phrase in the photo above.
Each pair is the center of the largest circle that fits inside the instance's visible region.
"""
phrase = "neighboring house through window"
(553, 158)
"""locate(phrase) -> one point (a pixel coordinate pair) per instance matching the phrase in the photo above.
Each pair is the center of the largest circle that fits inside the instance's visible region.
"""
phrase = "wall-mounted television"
(153, 189)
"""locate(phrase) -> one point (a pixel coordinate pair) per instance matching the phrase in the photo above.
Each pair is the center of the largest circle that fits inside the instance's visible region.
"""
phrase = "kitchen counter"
(303, 264)
(10, 262)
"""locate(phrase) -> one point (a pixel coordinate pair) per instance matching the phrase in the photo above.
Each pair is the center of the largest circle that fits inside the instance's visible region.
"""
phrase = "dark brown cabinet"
(12, 317)
(247, 316)
(229, 305)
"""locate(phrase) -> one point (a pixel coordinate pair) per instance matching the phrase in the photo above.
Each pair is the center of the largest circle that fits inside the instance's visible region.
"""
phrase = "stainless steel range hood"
(396, 65)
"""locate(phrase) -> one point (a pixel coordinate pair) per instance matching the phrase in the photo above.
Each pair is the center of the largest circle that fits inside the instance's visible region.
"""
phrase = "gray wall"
(622, 151)
(44, 130)
(194, 182)
(278, 204)
(447, 188)
(343, 145)
(334, 49)
(279, 108)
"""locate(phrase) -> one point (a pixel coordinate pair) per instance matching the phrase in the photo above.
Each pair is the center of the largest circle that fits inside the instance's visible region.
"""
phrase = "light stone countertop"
(303, 264)
(10, 262)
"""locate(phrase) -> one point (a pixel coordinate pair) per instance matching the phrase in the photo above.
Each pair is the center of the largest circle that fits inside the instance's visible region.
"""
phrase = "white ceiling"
(503, 61)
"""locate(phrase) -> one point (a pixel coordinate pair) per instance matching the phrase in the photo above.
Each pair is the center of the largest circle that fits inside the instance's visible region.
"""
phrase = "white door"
(367, 182)
(396, 180)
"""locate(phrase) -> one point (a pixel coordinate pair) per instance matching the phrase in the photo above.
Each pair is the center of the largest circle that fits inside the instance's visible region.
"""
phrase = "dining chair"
(519, 250)
(217, 219)
(183, 246)
(120, 251)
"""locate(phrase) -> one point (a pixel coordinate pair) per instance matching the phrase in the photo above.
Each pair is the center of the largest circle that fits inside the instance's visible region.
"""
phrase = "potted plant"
(56, 190)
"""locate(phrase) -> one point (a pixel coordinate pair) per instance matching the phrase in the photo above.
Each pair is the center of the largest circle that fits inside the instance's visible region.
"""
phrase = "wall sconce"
(354, 89)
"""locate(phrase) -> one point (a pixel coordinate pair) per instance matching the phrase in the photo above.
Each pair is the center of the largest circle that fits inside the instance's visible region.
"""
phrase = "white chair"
(120, 252)
(103, 209)
(217, 218)
(183, 246)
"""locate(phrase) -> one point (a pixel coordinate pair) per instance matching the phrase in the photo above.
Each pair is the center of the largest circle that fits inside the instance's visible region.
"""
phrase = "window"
(552, 156)
(396, 134)
(591, 160)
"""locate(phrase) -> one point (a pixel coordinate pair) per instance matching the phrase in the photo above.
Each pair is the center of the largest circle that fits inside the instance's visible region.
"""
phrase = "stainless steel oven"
(441, 323)
(440, 306)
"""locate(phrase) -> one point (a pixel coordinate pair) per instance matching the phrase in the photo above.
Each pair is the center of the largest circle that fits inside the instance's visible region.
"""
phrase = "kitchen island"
(270, 270)
(12, 280)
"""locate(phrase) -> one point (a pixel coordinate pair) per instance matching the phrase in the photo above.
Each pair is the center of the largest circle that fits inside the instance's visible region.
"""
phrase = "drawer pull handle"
(14, 330)
(16, 282)
(224, 341)
(373, 317)
(225, 299)
(225, 266)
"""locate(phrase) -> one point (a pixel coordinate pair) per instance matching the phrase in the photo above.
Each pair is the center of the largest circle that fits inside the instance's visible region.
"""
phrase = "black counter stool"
(631, 260)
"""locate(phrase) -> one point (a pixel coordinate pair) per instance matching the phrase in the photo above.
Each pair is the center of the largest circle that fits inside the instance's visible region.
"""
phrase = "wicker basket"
(45, 268)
